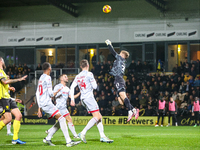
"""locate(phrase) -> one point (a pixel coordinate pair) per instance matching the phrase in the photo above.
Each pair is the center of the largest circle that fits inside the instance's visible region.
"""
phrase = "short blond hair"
(125, 53)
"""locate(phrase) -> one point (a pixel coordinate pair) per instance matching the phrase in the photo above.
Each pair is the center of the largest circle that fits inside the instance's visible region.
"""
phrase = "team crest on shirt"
(7, 107)
(1, 74)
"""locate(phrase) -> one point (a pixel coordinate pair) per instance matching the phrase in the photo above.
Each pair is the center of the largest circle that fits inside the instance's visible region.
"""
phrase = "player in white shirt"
(86, 83)
(61, 100)
(44, 95)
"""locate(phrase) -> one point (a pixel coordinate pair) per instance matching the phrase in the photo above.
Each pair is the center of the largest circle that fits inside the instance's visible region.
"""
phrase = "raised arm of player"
(74, 84)
(93, 81)
(56, 91)
(109, 44)
(9, 81)
(49, 88)
(75, 96)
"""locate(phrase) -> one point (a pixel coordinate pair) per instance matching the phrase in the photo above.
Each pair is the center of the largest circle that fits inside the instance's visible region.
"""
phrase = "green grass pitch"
(125, 138)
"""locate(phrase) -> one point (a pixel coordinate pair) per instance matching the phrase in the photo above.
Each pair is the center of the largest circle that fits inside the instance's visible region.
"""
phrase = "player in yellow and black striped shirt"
(7, 103)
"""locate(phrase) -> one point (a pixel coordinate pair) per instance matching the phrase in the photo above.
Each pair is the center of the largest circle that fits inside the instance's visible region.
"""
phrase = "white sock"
(72, 128)
(63, 126)
(100, 128)
(134, 111)
(8, 128)
(53, 130)
(89, 125)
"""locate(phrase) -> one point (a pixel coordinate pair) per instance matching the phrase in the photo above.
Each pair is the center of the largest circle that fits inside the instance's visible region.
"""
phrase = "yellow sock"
(16, 127)
(1, 125)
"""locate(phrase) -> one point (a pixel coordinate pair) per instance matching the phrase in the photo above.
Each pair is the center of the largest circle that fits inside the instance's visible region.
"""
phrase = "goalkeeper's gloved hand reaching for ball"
(108, 42)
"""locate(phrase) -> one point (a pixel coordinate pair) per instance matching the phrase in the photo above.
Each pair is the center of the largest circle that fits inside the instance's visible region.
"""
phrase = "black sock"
(128, 104)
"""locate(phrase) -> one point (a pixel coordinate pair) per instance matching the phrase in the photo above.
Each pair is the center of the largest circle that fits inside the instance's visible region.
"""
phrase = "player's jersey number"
(82, 84)
(40, 89)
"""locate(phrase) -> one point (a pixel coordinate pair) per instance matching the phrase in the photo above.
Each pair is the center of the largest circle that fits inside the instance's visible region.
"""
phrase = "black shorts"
(120, 84)
(161, 112)
(6, 105)
(171, 112)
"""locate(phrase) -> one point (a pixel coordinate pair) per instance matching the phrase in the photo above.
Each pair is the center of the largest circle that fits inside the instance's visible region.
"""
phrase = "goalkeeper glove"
(108, 42)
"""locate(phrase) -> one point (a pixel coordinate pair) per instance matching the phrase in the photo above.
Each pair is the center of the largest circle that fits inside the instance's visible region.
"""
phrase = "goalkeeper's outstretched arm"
(109, 44)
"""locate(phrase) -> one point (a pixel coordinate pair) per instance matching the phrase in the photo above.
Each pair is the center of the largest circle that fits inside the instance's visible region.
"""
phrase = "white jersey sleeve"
(93, 81)
(74, 84)
(49, 86)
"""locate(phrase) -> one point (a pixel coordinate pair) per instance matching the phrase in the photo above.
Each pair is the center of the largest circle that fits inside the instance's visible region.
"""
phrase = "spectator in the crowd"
(178, 101)
(25, 66)
(190, 100)
(156, 87)
(16, 71)
(143, 102)
(43, 58)
(174, 77)
(102, 57)
(114, 112)
(139, 67)
(115, 103)
(105, 66)
(159, 66)
(129, 87)
(132, 67)
(173, 88)
(186, 97)
(109, 65)
(102, 102)
(184, 111)
(144, 91)
(195, 94)
(39, 67)
(94, 60)
(174, 95)
(122, 111)
(182, 88)
(197, 82)
(98, 67)
(186, 68)
(166, 96)
(20, 68)
(148, 111)
(191, 81)
(148, 85)
(160, 95)
(145, 67)
(179, 82)
(193, 73)
(102, 71)
(188, 87)
(93, 70)
(162, 87)
(176, 69)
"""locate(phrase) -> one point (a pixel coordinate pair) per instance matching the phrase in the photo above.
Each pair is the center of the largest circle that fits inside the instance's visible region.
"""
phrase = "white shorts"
(90, 104)
(51, 110)
(64, 111)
